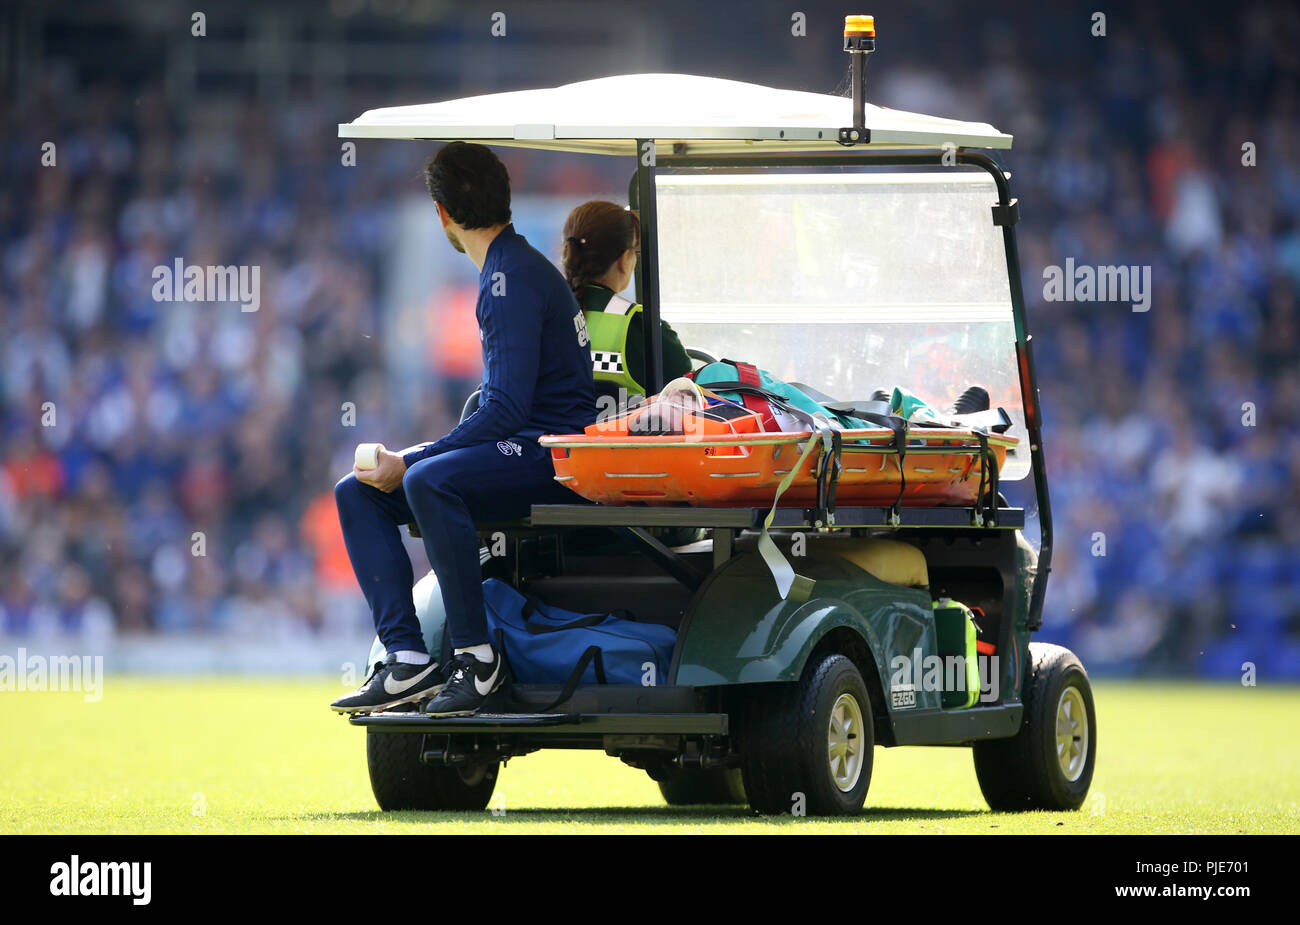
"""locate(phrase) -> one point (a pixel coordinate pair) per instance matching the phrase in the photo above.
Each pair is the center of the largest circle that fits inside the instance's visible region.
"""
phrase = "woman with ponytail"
(601, 243)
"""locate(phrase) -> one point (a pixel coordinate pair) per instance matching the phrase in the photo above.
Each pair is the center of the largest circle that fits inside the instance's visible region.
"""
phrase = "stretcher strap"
(986, 495)
(748, 375)
(791, 585)
(979, 423)
(872, 412)
(988, 490)
(829, 467)
(748, 391)
(992, 466)
(877, 412)
(747, 372)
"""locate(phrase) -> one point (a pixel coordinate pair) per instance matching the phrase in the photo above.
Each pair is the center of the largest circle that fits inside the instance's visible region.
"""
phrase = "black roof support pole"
(1007, 212)
(642, 197)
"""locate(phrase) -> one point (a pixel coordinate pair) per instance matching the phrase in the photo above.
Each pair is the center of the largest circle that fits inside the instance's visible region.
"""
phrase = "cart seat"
(892, 561)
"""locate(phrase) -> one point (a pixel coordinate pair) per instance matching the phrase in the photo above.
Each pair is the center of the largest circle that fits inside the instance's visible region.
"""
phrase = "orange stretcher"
(733, 463)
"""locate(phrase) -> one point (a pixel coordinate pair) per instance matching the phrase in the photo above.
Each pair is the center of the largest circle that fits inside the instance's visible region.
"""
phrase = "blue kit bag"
(546, 644)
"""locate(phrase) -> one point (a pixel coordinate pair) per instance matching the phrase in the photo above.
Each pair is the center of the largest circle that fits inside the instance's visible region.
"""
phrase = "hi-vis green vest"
(608, 332)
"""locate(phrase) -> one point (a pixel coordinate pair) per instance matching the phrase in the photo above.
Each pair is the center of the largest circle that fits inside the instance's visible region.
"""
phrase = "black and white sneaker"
(469, 683)
(393, 683)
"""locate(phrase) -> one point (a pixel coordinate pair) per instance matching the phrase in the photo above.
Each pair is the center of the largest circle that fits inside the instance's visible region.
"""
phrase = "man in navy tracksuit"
(537, 379)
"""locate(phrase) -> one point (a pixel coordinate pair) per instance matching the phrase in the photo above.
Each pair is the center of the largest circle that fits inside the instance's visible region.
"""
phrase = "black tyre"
(1049, 763)
(400, 780)
(807, 747)
(694, 787)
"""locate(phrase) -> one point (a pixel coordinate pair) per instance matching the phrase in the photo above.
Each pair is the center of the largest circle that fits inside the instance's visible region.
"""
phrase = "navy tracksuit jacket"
(537, 380)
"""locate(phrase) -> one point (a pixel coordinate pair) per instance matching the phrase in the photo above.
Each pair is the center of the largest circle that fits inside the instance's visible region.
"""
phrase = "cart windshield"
(847, 279)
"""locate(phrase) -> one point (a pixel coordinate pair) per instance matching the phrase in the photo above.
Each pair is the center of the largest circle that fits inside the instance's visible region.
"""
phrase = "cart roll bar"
(642, 197)
(1006, 213)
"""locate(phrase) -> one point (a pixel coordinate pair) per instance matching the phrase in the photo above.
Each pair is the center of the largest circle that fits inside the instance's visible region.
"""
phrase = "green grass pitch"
(241, 756)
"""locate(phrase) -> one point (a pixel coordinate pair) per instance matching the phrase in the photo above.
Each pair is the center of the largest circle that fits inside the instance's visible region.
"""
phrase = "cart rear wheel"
(693, 787)
(1049, 763)
(400, 780)
(808, 746)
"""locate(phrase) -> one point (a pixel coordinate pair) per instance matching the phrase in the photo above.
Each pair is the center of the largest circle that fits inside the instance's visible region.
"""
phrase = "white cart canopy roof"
(698, 115)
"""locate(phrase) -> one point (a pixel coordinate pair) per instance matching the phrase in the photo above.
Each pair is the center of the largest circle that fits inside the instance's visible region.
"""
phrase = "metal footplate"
(550, 723)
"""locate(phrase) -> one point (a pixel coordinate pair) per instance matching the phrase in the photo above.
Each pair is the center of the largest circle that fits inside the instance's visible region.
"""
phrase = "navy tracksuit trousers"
(445, 495)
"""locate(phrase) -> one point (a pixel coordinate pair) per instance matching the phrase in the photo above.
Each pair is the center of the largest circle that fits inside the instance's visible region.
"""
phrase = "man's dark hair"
(471, 183)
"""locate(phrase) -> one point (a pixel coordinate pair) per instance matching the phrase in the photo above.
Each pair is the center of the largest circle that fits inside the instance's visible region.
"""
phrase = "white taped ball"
(367, 456)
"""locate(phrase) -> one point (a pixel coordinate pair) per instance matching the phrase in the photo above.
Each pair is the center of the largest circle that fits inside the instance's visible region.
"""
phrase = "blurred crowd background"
(135, 434)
